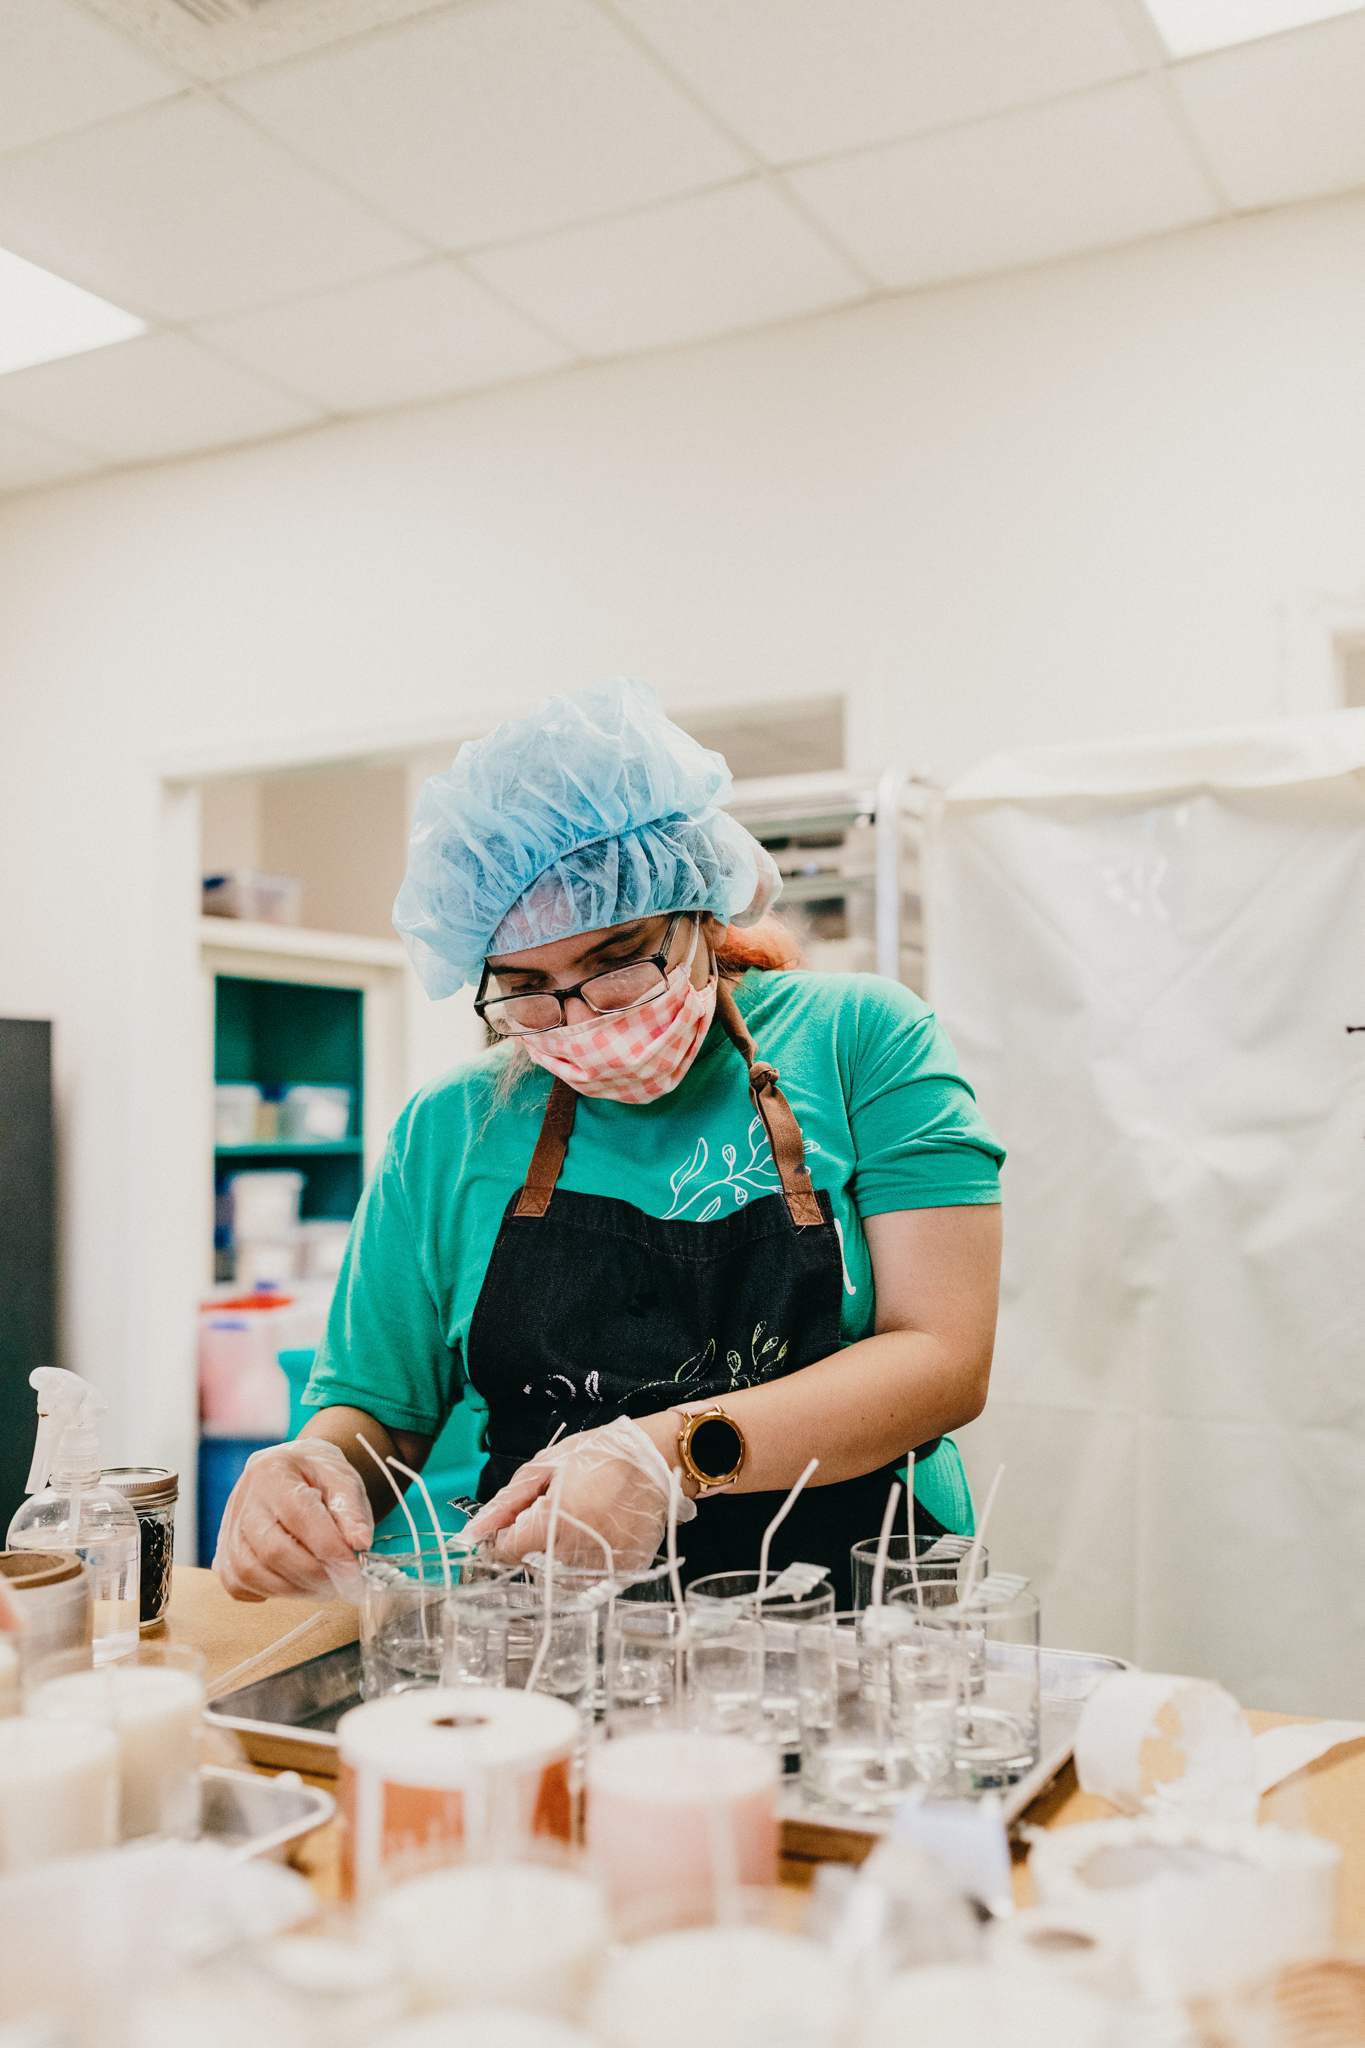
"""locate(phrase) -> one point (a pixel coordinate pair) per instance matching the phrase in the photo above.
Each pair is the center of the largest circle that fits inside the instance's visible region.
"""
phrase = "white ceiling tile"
(144, 400)
(28, 460)
(804, 78)
(59, 70)
(390, 341)
(1283, 119)
(696, 267)
(500, 118)
(1084, 173)
(183, 211)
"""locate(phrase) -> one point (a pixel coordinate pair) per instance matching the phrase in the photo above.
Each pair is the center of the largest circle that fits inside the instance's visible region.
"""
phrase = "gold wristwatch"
(711, 1448)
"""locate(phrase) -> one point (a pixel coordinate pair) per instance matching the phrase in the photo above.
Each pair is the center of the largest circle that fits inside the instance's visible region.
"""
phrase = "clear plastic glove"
(615, 1482)
(293, 1524)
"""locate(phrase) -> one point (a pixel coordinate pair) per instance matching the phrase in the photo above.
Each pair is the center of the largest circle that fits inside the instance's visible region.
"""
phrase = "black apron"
(591, 1309)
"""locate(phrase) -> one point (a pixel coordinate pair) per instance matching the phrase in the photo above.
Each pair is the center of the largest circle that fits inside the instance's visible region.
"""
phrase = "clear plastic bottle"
(70, 1509)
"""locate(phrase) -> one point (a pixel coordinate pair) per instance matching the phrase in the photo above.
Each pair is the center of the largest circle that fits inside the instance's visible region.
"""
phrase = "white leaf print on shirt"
(758, 1176)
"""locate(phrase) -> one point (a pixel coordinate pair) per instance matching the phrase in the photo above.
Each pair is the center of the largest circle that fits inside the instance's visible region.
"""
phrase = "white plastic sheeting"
(1148, 955)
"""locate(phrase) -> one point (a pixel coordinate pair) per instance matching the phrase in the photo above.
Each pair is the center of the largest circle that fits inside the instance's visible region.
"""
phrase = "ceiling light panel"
(390, 341)
(1282, 120)
(698, 267)
(43, 317)
(59, 70)
(1188, 27)
(807, 78)
(149, 400)
(183, 211)
(216, 39)
(1051, 181)
(494, 120)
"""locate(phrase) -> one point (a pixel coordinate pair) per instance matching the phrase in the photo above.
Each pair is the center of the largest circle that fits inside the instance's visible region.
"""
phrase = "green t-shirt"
(889, 1123)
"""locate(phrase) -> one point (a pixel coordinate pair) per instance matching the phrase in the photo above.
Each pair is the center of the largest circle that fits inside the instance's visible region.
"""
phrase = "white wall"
(1068, 503)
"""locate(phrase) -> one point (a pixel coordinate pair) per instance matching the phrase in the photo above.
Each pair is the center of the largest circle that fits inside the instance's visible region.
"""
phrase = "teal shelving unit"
(276, 1033)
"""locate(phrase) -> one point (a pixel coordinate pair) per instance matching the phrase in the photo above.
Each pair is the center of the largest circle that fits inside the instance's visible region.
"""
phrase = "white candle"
(682, 1815)
(9, 1679)
(488, 2027)
(727, 1986)
(58, 1790)
(428, 1779)
(155, 1711)
(502, 1933)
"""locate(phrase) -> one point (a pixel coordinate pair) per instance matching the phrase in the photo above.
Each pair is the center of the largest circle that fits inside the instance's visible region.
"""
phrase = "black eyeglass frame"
(482, 1004)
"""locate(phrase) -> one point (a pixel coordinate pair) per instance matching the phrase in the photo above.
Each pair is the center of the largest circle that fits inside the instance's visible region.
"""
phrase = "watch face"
(715, 1447)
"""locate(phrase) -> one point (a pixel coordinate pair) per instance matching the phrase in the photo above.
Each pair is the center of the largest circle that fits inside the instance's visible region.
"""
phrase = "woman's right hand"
(293, 1524)
(614, 1494)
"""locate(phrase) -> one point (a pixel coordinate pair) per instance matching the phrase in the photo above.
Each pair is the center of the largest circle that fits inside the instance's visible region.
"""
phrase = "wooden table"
(1327, 1798)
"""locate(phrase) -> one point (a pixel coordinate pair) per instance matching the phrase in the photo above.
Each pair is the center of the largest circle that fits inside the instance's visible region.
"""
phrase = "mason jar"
(152, 1491)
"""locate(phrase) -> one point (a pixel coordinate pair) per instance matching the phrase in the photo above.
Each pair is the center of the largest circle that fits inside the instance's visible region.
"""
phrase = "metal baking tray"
(289, 1721)
(1067, 1678)
(260, 1817)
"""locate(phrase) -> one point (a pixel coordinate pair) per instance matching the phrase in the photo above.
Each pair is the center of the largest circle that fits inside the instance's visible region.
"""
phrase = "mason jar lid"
(144, 1486)
(25, 1571)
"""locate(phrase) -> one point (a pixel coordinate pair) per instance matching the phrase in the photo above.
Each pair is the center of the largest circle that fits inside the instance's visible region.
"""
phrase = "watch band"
(703, 1470)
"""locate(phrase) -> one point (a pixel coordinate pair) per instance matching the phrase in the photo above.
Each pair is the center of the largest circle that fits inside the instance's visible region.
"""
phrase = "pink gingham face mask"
(638, 1054)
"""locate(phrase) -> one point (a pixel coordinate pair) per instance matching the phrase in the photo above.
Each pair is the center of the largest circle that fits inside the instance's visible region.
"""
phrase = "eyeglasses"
(617, 988)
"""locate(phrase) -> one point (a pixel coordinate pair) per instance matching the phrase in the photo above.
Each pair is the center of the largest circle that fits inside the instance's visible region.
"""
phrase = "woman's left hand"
(613, 1502)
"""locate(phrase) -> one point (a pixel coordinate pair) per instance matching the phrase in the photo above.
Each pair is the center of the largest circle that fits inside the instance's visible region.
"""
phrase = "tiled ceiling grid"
(328, 207)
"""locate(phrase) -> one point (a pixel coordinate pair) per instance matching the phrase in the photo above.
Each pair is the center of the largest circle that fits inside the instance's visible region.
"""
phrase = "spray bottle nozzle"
(68, 1408)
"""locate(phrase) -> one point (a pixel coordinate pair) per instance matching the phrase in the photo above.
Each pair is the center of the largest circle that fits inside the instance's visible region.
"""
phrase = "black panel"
(28, 1248)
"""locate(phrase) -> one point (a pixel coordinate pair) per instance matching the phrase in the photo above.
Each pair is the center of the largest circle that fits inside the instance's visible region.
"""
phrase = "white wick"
(910, 1527)
(778, 1519)
(674, 1493)
(436, 1528)
(974, 1557)
(543, 1650)
(884, 1542)
(407, 1511)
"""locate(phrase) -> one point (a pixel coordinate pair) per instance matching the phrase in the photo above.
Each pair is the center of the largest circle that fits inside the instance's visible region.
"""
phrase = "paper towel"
(1200, 1906)
(1151, 1741)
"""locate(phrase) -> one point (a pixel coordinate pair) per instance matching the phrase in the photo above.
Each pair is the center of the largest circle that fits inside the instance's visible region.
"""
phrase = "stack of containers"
(261, 1214)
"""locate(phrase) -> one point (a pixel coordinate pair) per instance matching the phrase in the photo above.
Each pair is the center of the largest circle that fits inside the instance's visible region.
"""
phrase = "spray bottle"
(69, 1509)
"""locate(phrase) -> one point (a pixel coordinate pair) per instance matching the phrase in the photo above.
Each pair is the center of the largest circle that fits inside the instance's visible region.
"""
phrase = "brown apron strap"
(556, 1128)
(785, 1142)
(778, 1117)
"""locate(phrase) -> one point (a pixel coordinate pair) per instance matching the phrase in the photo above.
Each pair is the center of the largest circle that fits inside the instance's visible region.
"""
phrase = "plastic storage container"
(307, 1112)
(265, 1262)
(264, 899)
(321, 1244)
(264, 1205)
(236, 1110)
(242, 1391)
(152, 1492)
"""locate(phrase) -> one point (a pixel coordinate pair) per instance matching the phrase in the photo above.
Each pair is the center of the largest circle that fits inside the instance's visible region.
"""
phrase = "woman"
(651, 1261)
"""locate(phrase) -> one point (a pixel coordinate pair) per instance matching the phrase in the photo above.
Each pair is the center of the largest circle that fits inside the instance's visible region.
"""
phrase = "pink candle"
(681, 1817)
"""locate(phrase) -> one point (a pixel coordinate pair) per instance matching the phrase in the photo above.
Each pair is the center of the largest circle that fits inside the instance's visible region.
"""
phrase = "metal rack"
(849, 847)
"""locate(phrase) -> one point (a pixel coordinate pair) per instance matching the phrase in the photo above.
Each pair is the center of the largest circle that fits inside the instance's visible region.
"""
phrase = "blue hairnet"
(591, 810)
